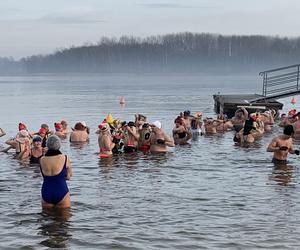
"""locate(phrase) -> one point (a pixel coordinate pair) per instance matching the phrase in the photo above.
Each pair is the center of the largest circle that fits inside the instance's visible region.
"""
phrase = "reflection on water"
(54, 226)
(282, 174)
(209, 194)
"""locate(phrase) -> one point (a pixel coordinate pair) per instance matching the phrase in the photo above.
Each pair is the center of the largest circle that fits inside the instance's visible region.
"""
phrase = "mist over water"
(208, 194)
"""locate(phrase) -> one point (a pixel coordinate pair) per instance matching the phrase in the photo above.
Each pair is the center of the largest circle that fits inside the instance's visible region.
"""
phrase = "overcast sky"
(38, 26)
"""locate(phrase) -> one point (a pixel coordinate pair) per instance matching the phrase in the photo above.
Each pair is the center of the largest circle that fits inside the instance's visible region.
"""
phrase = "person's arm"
(169, 141)
(246, 114)
(272, 147)
(108, 143)
(69, 169)
(135, 135)
(11, 142)
(25, 150)
(2, 132)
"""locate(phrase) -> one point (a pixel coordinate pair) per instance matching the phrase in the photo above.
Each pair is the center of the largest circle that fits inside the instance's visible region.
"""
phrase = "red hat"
(57, 125)
(103, 127)
(22, 126)
(42, 131)
(292, 112)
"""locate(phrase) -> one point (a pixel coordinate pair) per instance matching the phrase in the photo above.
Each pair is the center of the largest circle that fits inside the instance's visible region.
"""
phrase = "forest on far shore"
(181, 52)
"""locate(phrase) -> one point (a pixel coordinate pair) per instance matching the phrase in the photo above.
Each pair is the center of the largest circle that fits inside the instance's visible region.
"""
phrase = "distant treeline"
(10, 66)
(182, 52)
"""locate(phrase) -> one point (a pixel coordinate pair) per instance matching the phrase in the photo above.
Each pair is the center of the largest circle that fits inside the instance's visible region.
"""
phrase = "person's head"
(178, 121)
(42, 132)
(64, 124)
(288, 130)
(186, 113)
(79, 126)
(37, 141)
(156, 126)
(141, 117)
(146, 126)
(83, 123)
(22, 126)
(45, 126)
(53, 142)
(58, 126)
(104, 127)
(131, 124)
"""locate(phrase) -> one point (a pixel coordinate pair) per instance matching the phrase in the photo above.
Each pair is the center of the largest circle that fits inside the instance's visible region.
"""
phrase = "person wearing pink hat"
(105, 140)
(159, 141)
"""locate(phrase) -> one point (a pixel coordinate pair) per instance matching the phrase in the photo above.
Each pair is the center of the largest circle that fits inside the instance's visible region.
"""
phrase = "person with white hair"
(159, 140)
(55, 169)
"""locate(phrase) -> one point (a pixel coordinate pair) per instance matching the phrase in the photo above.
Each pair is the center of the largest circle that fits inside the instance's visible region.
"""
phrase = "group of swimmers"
(116, 136)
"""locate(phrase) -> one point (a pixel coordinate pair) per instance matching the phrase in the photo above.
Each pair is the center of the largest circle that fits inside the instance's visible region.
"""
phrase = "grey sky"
(37, 26)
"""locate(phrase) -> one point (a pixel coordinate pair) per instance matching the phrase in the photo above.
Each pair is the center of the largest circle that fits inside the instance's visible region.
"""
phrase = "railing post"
(298, 78)
(265, 83)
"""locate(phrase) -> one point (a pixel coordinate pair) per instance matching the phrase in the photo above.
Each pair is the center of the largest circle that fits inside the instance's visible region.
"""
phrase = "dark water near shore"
(210, 194)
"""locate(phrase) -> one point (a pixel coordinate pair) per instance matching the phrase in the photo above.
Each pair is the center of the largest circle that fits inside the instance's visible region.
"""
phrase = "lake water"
(210, 194)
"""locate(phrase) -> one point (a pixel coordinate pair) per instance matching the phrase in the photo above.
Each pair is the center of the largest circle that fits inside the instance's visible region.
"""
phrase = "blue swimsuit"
(55, 187)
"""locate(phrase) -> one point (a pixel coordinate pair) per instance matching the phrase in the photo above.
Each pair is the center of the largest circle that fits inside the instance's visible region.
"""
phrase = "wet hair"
(131, 124)
(186, 113)
(53, 142)
(248, 126)
(146, 125)
(288, 130)
(79, 126)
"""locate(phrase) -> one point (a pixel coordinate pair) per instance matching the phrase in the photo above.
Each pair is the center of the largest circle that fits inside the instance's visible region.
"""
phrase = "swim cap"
(288, 130)
(187, 113)
(53, 142)
(157, 124)
(37, 139)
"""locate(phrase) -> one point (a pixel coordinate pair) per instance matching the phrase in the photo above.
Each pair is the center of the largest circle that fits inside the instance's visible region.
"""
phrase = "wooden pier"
(277, 83)
(228, 104)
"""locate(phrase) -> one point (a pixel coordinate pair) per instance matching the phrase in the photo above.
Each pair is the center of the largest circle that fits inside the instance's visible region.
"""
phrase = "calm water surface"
(209, 194)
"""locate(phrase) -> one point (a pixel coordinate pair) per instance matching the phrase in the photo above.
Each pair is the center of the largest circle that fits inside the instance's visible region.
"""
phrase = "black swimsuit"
(35, 160)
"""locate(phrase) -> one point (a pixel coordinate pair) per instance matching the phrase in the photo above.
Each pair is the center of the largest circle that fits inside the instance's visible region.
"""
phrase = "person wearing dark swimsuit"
(36, 151)
(55, 169)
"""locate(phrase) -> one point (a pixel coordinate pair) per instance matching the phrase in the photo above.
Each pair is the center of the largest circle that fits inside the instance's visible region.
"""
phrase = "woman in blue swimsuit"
(56, 169)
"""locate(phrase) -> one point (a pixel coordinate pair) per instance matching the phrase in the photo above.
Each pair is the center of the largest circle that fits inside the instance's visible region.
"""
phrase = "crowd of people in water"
(116, 137)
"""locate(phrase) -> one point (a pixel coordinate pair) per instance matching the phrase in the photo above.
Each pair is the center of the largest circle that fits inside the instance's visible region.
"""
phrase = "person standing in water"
(37, 151)
(282, 145)
(159, 141)
(55, 169)
(105, 140)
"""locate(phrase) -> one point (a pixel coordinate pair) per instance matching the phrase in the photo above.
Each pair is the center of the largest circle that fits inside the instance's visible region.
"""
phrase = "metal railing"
(281, 81)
